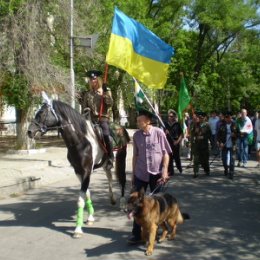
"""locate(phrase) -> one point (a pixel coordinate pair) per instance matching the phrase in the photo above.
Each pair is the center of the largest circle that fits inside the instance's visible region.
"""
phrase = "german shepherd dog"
(149, 212)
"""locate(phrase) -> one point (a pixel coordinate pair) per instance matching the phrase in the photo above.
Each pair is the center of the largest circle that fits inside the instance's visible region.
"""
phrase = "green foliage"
(215, 45)
(16, 91)
(8, 7)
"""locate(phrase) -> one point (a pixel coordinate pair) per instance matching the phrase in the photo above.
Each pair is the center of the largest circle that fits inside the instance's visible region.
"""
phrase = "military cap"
(93, 74)
(200, 113)
(228, 113)
(197, 112)
(203, 114)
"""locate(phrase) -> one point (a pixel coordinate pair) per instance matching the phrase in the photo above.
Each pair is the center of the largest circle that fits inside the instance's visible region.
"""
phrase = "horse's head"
(45, 119)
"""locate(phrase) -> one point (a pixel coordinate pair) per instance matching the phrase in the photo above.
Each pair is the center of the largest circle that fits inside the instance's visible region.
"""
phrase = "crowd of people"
(231, 137)
(157, 150)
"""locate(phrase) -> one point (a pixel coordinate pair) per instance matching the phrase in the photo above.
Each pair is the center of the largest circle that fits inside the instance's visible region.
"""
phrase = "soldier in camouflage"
(98, 100)
(200, 134)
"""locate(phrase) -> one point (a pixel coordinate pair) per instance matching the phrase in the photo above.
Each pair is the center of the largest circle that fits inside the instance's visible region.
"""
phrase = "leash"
(214, 158)
(162, 186)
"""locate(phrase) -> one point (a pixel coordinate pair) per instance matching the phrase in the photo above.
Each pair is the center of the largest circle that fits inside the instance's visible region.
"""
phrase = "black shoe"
(230, 175)
(225, 172)
(207, 173)
(195, 175)
(135, 241)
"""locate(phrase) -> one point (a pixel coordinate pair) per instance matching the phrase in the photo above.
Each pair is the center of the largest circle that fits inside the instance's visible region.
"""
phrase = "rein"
(44, 128)
(58, 127)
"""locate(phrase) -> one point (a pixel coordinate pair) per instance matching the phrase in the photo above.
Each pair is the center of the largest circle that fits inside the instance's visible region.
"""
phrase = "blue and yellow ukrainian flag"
(138, 51)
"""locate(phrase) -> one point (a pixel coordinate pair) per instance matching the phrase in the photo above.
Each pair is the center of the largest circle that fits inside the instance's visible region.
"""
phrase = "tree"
(216, 44)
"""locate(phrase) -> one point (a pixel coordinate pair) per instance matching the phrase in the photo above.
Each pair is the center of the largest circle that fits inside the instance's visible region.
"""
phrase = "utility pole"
(84, 41)
(72, 74)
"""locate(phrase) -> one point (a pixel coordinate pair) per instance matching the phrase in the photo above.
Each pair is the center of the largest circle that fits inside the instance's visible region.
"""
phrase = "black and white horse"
(85, 150)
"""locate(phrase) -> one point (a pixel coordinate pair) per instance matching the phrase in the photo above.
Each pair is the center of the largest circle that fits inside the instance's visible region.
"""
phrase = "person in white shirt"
(213, 119)
(245, 127)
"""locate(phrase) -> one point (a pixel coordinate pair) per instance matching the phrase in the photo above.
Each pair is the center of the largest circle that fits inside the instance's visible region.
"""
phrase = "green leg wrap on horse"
(80, 214)
(89, 207)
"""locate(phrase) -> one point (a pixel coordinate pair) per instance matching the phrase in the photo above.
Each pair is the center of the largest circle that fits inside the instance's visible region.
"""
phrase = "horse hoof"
(113, 202)
(77, 235)
(122, 204)
(89, 223)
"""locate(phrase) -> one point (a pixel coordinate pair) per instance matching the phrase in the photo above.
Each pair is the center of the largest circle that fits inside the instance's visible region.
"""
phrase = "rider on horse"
(98, 100)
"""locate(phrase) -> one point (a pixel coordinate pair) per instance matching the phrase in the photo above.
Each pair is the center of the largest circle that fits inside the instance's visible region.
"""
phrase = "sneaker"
(238, 164)
(244, 165)
(258, 165)
(134, 240)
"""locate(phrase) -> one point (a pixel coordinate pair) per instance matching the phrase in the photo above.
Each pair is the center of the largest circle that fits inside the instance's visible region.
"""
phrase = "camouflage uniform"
(200, 134)
(99, 100)
(92, 100)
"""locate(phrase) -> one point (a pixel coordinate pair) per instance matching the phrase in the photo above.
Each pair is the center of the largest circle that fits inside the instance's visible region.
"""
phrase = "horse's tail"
(120, 167)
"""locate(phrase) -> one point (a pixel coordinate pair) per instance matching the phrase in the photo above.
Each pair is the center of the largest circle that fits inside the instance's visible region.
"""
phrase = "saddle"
(119, 137)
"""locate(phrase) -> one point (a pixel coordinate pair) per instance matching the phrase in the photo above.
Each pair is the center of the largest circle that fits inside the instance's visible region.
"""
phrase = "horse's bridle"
(42, 126)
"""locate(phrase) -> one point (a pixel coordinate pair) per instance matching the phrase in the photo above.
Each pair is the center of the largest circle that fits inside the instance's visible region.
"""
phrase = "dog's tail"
(185, 215)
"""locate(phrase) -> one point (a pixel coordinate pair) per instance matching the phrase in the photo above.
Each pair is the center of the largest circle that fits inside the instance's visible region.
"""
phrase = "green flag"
(184, 98)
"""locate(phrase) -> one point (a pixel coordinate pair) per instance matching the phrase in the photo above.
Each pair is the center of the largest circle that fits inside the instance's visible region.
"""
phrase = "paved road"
(224, 223)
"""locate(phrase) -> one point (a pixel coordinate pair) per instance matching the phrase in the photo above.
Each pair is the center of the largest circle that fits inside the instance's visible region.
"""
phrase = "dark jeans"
(242, 149)
(136, 231)
(105, 127)
(228, 155)
(175, 156)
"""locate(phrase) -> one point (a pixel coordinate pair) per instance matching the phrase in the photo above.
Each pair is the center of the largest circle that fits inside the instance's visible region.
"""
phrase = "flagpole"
(106, 72)
(150, 104)
(72, 74)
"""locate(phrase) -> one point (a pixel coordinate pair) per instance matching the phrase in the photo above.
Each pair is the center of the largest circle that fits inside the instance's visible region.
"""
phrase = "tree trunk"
(23, 142)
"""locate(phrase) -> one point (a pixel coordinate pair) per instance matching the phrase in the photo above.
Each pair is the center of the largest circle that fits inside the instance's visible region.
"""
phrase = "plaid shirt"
(149, 149)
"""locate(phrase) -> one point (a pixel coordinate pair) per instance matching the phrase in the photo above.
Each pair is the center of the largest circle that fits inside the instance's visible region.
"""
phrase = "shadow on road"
(224, 218)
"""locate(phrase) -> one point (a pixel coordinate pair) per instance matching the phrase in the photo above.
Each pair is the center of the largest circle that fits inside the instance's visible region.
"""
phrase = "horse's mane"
(70, 114)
